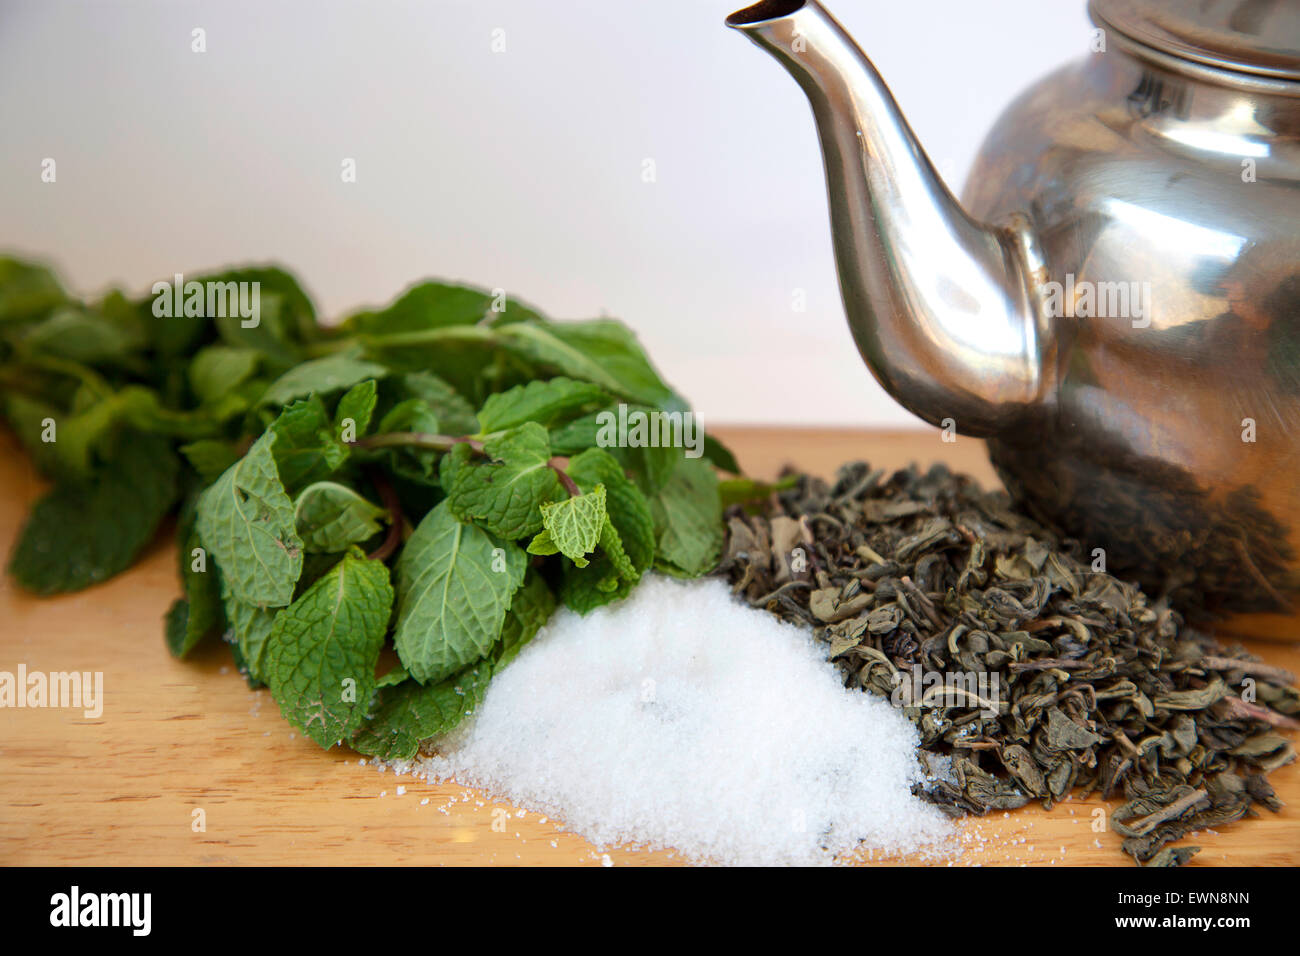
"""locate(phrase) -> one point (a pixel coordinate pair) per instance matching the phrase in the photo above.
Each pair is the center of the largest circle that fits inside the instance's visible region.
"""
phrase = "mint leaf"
(320, 377)
(27, 291)
(80, 335)
(248, 629)
(541, 402)
(411, 415)
(307, 448)
(627, 507)
(199, 613)
(688, 520)
(245, 520)
(573, 525)
(321, 653)
(410, 713)
(603, 351)
(455, 414)
(210, 457)
(84, 531)
(720, 455)
(454, 585)
(505, 494)
(358, 407)
(330, 516)
(218, 369)
(428, 305)
(532, 606)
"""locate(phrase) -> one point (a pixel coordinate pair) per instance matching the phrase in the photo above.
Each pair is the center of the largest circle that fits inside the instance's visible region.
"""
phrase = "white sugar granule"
(681, 718)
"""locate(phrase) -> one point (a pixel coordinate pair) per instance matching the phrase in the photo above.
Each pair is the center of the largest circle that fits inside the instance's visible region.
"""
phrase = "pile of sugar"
(681, 718)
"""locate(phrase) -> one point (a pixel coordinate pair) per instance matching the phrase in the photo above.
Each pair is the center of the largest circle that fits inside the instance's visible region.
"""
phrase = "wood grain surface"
(176, 737)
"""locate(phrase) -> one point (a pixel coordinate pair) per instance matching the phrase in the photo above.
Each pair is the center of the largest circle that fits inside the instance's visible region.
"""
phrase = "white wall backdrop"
(520, 169)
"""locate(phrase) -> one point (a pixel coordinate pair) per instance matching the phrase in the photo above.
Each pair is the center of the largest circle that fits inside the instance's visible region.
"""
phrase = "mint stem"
(416, 440)
(556, 464)
(395, 518)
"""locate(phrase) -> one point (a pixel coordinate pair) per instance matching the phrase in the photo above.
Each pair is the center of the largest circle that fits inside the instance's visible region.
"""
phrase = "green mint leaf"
(455, 415)
(688, 519)
(574, 524)
(210, 457)
(505, 493)
(245, 520)
(612, 544)
(330, 516)
(219, 369)
(532, 607)
(27, 290)
(429, 305)
(720, 455)
(356, 406)
(544, 402)
(454, 585)
(392, 678)
(195, 616)
(650, 467)
(248, 628)
(321, 653)
(410, 713)
(603, 351)
(543, 544)
(627, 507)
(80, 335)
(307, 449)
(586, 589)
(320, 377)
(84, 531)
(410, 415)
(285, 315)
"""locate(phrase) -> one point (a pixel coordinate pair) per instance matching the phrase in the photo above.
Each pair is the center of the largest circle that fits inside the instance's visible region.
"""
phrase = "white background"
(520, 170)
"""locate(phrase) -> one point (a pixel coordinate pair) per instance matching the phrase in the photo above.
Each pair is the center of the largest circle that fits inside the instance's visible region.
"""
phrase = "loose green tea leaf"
(321, 653)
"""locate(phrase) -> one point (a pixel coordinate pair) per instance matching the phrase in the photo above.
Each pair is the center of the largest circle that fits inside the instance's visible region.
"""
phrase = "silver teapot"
(1115, 301)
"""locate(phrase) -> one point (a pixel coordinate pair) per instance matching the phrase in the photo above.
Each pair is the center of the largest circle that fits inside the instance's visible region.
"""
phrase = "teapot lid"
(1260, 37)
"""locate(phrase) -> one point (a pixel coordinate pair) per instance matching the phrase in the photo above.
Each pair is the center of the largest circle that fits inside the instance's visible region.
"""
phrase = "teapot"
(1113, 303)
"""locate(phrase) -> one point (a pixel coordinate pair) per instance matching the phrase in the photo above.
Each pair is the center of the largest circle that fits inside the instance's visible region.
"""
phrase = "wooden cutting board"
(176, 738)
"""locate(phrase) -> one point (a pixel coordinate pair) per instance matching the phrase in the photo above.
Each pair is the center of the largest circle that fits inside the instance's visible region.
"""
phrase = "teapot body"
(1165, 211)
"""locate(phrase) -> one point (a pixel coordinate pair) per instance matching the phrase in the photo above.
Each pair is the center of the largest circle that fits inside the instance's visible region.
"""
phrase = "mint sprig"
(429, 476)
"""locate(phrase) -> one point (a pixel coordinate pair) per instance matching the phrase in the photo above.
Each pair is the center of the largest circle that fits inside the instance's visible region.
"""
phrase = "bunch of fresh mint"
(425, 476)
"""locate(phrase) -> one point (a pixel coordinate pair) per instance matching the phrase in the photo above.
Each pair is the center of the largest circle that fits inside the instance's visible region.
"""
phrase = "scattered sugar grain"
(679, 717)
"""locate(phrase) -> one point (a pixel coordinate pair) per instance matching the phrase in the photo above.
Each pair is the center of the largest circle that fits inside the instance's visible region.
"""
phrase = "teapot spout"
(943, 308)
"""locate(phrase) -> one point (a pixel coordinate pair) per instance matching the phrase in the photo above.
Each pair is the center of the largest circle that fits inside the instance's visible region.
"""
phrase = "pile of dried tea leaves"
(1028, 673)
